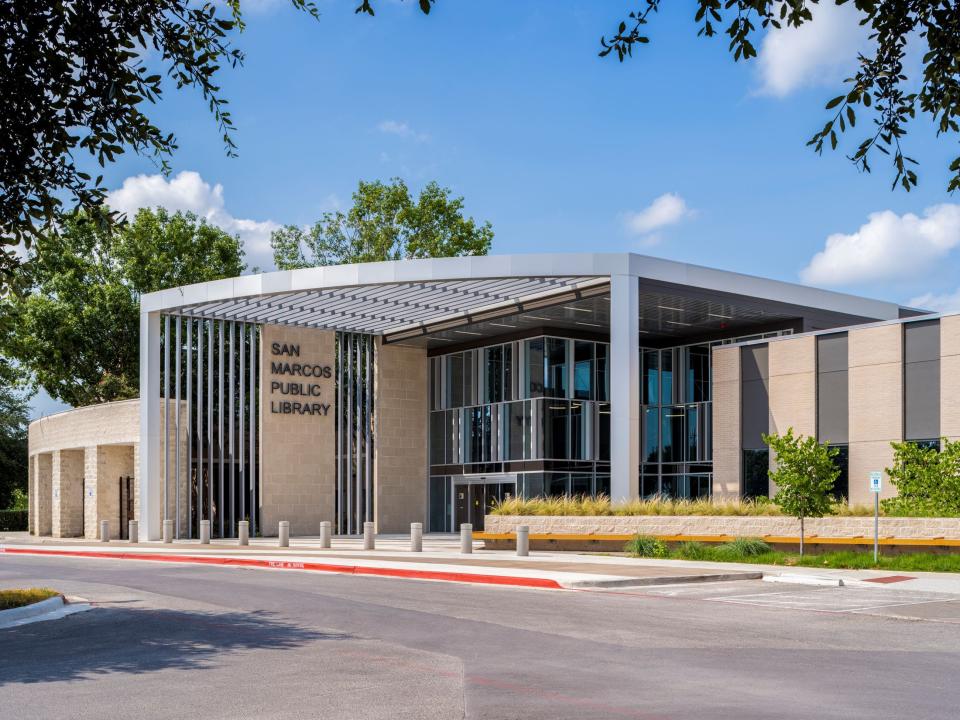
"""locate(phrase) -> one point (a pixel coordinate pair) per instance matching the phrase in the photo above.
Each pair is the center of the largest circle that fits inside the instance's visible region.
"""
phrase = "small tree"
(805, 476)
(927, 479)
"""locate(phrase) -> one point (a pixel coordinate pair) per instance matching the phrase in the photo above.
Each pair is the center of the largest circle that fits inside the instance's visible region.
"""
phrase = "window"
(666, 376)
(556, 375)
(697, 386)
(555, 427)
(493, 365)
(756, 473)
(832, 388)
(672, 434)
(534, 375)
(650, 388)
(651, 435)
(841, 488)
(602, 385)
(454, 380)
(921, 380)
(439, 504)
(582, 370)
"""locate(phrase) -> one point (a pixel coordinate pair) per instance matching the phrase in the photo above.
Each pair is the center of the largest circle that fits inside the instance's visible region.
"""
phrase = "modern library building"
(427, 390)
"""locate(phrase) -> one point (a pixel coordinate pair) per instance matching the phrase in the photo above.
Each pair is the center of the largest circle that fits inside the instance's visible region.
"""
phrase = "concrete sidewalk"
(442, 560)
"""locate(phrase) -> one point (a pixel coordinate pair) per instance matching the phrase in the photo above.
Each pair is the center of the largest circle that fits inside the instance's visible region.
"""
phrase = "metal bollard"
(168, 531)
(284, 540)
(466, 538)
(133, 531)
(368, 539)
(204, 532)
(243, 532)
(104, 531)
(325, 528)
(523, 540)
(416, 537)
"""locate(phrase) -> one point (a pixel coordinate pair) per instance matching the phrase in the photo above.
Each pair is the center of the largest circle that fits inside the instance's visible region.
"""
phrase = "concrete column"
(67, 484)
(416, 537)
(43, 521)
(104, 531)
(168, 531)
(150, 495)
(523, 540)
(31, 494)
(204, 532)
(133, 532)
(624, 387)
(466, 538)
(369, 542)
(326, 528)
(243, 532)
(284, 533)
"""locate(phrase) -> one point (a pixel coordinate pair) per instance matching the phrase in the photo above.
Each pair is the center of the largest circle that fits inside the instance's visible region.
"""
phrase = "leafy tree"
(880, 87)
(76, 81)
(76, 332)
(13, 441)
(804, 477)
(385, 223)
(927, 480)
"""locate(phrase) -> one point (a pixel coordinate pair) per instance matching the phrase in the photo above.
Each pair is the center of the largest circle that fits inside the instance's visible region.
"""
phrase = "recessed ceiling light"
(467, 332)
(718, 315)
(537, 317)
(502, 325)
(667, 307)
(675, 322)
(580, 322)
(577, 309)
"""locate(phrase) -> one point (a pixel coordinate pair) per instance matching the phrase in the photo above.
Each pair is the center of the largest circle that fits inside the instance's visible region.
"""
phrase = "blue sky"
(679, 153)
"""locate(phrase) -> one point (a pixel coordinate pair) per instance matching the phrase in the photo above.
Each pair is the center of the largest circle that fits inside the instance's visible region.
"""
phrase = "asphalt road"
(196, 642)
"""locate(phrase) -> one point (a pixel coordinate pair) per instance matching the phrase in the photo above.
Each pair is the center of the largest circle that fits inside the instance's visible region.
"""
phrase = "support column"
(43, 495)
(149, 481)
(67, 509)
(624, 387)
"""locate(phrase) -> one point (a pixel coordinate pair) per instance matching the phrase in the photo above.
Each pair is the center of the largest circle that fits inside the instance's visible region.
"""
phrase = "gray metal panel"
(833, 411)
(921, 400)
(754, 362)
(921, 341)
(832, 352)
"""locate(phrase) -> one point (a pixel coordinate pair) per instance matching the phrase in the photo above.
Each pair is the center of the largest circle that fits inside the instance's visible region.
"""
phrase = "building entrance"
(475, 497)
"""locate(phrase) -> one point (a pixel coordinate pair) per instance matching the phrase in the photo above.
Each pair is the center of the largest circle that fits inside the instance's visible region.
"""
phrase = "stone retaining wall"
(749, 526)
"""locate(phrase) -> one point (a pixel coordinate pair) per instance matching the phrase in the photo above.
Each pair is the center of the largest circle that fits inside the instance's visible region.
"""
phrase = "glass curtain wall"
(676, 413)
(536, 408)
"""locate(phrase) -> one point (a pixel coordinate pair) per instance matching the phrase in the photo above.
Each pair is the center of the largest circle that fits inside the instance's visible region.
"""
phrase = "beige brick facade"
(400, 470)
(42, 507)
(876, 404)
(950, 377)
(793, 386)
(297, 451)
(67, 484)
(726, 422)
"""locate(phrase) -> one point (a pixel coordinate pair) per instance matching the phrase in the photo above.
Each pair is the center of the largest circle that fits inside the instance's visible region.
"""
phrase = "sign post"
(876, 477)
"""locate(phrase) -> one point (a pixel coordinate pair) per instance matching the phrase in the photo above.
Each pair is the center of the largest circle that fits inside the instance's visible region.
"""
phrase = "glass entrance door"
(474, 498)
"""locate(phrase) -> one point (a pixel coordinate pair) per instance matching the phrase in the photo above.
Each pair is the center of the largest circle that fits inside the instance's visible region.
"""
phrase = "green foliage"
(692, 550)
(646, 546)
(13, 441)
(13, 520)
(927, 481)
(78, 78)
(385, 223)
(742, 548)
(20, 499)
(17, 597)
(76, 332)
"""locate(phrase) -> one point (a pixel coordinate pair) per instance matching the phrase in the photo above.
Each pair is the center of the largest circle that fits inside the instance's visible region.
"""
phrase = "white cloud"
(819, 52)
(887, 246)
(945, 303)
(189, 192)
(401, 129)
(668, 209)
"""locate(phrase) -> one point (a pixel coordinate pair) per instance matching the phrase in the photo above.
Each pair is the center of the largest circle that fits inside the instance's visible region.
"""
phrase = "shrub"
(744, 548)
(13, 520)
(18, 597)
(646, 546)
(691, 550)
(927, 480)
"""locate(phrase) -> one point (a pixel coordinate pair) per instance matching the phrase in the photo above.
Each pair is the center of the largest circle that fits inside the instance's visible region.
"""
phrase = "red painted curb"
(542, 583)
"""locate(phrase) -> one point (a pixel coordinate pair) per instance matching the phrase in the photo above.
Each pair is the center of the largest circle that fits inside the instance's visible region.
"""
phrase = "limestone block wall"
(726, 422)
(105, 465)
(793, 389)
(400, 468)
(759, 526)
(876, 404)
(67, 485)
(41, 509)
(297, 451)
(104, 424)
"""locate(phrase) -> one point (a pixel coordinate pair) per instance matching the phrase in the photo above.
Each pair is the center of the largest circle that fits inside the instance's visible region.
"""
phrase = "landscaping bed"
(20, 597)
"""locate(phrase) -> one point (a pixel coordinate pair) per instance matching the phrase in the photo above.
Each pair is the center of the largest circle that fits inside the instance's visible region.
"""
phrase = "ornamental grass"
(586, 505)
